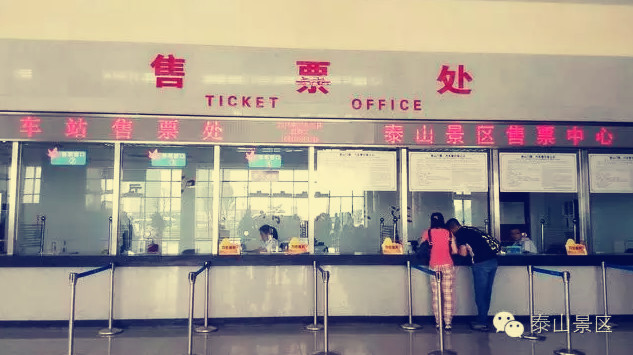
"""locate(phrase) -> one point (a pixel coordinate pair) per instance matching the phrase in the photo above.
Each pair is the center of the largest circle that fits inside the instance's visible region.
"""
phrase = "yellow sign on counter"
(296, 246)
(391, 248)
(229, 248)
(575, 249)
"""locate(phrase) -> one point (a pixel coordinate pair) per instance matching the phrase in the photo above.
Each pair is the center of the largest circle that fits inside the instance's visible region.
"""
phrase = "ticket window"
(454, 183)
(65, 199)
(5, 163)
(166, 200)
(263, 186)
(538, 200)
(611, 202)
(356, 199)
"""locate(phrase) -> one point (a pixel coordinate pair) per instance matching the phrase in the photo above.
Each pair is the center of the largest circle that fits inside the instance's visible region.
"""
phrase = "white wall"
(466, 26)
(284, 291)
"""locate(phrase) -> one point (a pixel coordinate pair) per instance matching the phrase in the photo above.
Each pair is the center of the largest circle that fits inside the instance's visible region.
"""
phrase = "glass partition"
(611, 204)
(263, 186)
(357, 204)
(166, 200)
(538, 201)
(5, 164)
(65, 198)
(454, 183)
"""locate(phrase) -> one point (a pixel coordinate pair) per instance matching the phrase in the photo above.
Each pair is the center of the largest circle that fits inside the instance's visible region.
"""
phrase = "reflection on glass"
(608, 212)
(65, 205)
(5, 163)
(166, 200)
(356, 192)
(263, 186)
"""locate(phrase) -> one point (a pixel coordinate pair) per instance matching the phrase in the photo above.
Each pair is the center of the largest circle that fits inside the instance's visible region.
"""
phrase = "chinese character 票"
(122, 128)
(76, 128)
(313, 76)
(447, 78)
(454, 134)
(540, 324)
(602, 324)
(212, 131)
(424, 135)
(485, 135)
(168, 71)
(516, 135)
(393, 134)
(545, 135)
(582, 324)
(575, 134)
(604, 137)
(168, 129)
(30, 125)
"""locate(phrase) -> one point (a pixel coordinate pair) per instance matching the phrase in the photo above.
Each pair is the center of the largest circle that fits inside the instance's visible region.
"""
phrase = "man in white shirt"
(522, 240)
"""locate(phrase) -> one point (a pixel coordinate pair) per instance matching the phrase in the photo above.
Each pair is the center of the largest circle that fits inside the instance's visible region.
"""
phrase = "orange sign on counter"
(296, 246)
(391, 248)
(229, 248)
(575, 249)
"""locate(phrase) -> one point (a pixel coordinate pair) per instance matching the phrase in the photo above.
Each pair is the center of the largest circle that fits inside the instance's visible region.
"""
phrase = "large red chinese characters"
(393, 133)
(447, 78)
(30, 126)
(76, 128)
(122, 128)
(313, 76)
(212, 131)
(169, 71)
(168, 129)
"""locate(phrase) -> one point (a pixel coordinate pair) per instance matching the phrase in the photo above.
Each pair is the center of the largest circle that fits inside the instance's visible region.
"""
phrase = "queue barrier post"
(437, 275)
(73, 278)
(206, 328)
(325, 275)
(568, 350)
(192, 293)
(605, 298)
(410, 325)
(315, 326)
(110, 330)
(531, 335)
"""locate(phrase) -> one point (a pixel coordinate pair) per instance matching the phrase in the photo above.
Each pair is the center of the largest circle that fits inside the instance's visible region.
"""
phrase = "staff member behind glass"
(471, 241)
(270, 239)
(442, 246)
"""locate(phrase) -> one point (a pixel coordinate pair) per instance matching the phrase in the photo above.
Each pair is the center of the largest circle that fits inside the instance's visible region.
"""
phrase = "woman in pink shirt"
(443, 245)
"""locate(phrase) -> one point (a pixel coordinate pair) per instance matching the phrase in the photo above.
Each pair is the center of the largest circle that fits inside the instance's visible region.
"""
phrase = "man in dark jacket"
(472, 242)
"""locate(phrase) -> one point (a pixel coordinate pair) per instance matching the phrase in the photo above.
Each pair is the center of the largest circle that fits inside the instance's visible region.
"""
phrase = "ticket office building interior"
(176, 207)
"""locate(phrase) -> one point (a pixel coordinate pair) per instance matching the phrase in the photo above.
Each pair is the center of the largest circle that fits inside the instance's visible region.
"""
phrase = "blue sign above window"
(168, 160)
(67, 157)
(266, 161)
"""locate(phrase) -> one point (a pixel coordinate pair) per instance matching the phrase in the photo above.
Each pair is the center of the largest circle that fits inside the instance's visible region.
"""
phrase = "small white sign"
(345, 170)
(611, 173)
(448, 171)
(538, 172)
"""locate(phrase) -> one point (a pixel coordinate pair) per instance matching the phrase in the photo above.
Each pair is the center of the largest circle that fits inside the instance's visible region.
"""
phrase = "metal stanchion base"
(108, 332)
(326, 353)
(568, 352)
(445, 352)
(207, 329)
(410, 326)
(314, 327)
(529, 336)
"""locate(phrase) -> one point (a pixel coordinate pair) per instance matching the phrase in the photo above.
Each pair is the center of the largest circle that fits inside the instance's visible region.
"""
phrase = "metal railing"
(74, 277)
(438, 284)
(605, 298)
(565, 275)
(325, 276)
(315, 326)
(192, 288)
(410, 325)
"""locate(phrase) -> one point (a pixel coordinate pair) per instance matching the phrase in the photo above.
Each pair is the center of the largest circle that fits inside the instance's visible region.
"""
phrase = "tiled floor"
(345, 339)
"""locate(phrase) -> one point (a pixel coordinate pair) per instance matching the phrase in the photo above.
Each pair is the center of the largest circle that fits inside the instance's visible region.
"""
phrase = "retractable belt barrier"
(315, 326)
(412, 326)
(325, 276)
(605, 299)
(74, 277)
(206, 328)
(565, 275)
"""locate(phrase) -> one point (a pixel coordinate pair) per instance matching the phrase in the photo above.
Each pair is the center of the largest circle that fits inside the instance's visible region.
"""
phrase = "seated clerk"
(522, 240)
(270, 239)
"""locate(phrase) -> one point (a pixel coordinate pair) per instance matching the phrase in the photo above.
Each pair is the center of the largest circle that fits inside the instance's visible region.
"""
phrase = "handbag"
(424, 250)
